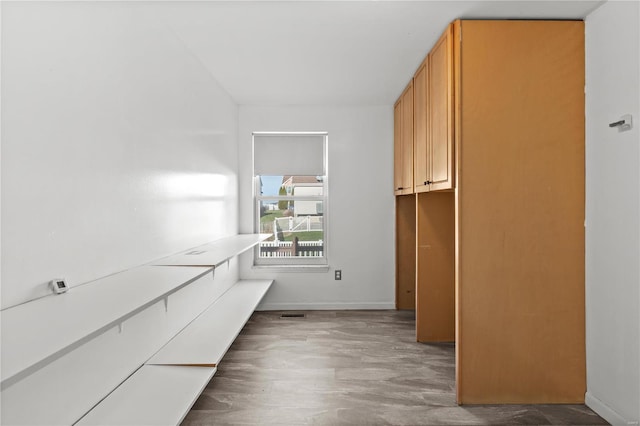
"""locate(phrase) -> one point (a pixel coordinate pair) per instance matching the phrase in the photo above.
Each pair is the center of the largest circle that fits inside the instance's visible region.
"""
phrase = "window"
(290, 175)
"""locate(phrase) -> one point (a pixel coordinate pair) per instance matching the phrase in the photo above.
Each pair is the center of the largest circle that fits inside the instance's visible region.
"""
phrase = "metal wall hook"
(625, 123)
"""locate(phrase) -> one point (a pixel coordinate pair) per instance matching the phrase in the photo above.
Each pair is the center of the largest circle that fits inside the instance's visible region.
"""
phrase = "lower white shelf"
(163, 390)
(206, 339)
(153, 395)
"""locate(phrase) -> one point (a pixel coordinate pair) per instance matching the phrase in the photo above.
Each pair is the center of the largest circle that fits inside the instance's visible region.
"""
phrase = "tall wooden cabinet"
(434, 209)
(405, 200)
(520, 212)
(499, 228)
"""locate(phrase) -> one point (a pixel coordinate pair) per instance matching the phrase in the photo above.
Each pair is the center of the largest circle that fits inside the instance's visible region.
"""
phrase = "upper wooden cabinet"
(407, 139)
(433, 119)
(421, 158)
(397, 147)
(440, 112)
(403, 142)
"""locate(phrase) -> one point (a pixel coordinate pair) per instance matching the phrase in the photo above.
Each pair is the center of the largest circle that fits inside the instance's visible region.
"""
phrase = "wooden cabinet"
(421, 158)
(405, 201)
(440, 110)
(403, 142)
(500, 260)
(433, 118)
(424, 124)
(520, 212)
(435, 266)
(433, 171)
(406, 252)
(397, 148)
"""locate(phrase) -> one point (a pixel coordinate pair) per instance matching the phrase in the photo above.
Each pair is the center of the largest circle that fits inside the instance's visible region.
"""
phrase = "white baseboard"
(606, 412)
(325, 306)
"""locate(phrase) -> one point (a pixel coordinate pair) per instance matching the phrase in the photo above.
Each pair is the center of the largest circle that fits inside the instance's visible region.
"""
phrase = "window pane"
(290, 185)
(296, 228)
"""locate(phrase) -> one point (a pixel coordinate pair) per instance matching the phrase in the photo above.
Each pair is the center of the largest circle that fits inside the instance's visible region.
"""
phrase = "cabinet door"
(521, 259)
(407, 140)
(397, 147)
(440, 111)
(421, 160)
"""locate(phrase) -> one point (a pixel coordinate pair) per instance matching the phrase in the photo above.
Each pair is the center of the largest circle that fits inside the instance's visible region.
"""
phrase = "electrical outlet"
(338, 274)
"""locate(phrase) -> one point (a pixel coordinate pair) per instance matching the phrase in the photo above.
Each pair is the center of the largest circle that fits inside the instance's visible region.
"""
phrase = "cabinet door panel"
(397, 147)
(421, 166)
(407, 140)
(521, 261)
(441, 112)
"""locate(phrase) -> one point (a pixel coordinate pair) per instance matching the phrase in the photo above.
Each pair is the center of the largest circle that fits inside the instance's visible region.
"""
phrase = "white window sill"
(292, 268)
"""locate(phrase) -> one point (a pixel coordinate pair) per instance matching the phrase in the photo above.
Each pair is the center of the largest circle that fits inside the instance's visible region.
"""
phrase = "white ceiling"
(329, 52)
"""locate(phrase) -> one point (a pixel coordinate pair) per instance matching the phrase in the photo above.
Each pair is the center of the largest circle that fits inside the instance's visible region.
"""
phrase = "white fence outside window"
(298, 224)
(291, 249)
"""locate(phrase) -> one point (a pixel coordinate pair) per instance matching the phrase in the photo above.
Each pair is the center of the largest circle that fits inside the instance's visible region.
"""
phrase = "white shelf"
(154, 395)
(37, 332)
(214, 253)
(206, 339)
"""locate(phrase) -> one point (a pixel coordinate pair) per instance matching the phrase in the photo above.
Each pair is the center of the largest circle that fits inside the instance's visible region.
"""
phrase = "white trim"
(606, 412)
(342, 306)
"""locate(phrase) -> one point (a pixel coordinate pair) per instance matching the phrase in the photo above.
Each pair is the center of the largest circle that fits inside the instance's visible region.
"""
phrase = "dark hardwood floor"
(351, 368)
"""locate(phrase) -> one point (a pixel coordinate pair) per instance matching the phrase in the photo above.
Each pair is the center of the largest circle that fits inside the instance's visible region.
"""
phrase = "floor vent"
(292, 316)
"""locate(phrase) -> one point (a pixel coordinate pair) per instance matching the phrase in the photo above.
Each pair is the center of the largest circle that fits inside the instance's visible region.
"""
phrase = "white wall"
(613, 213)
(118, 146)
(361, 207)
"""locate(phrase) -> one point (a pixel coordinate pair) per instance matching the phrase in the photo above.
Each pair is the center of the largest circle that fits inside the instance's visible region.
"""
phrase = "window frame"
(302, 261)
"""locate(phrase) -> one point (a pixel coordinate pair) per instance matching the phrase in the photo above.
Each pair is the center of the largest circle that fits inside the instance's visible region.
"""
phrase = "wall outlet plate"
(338, 274)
